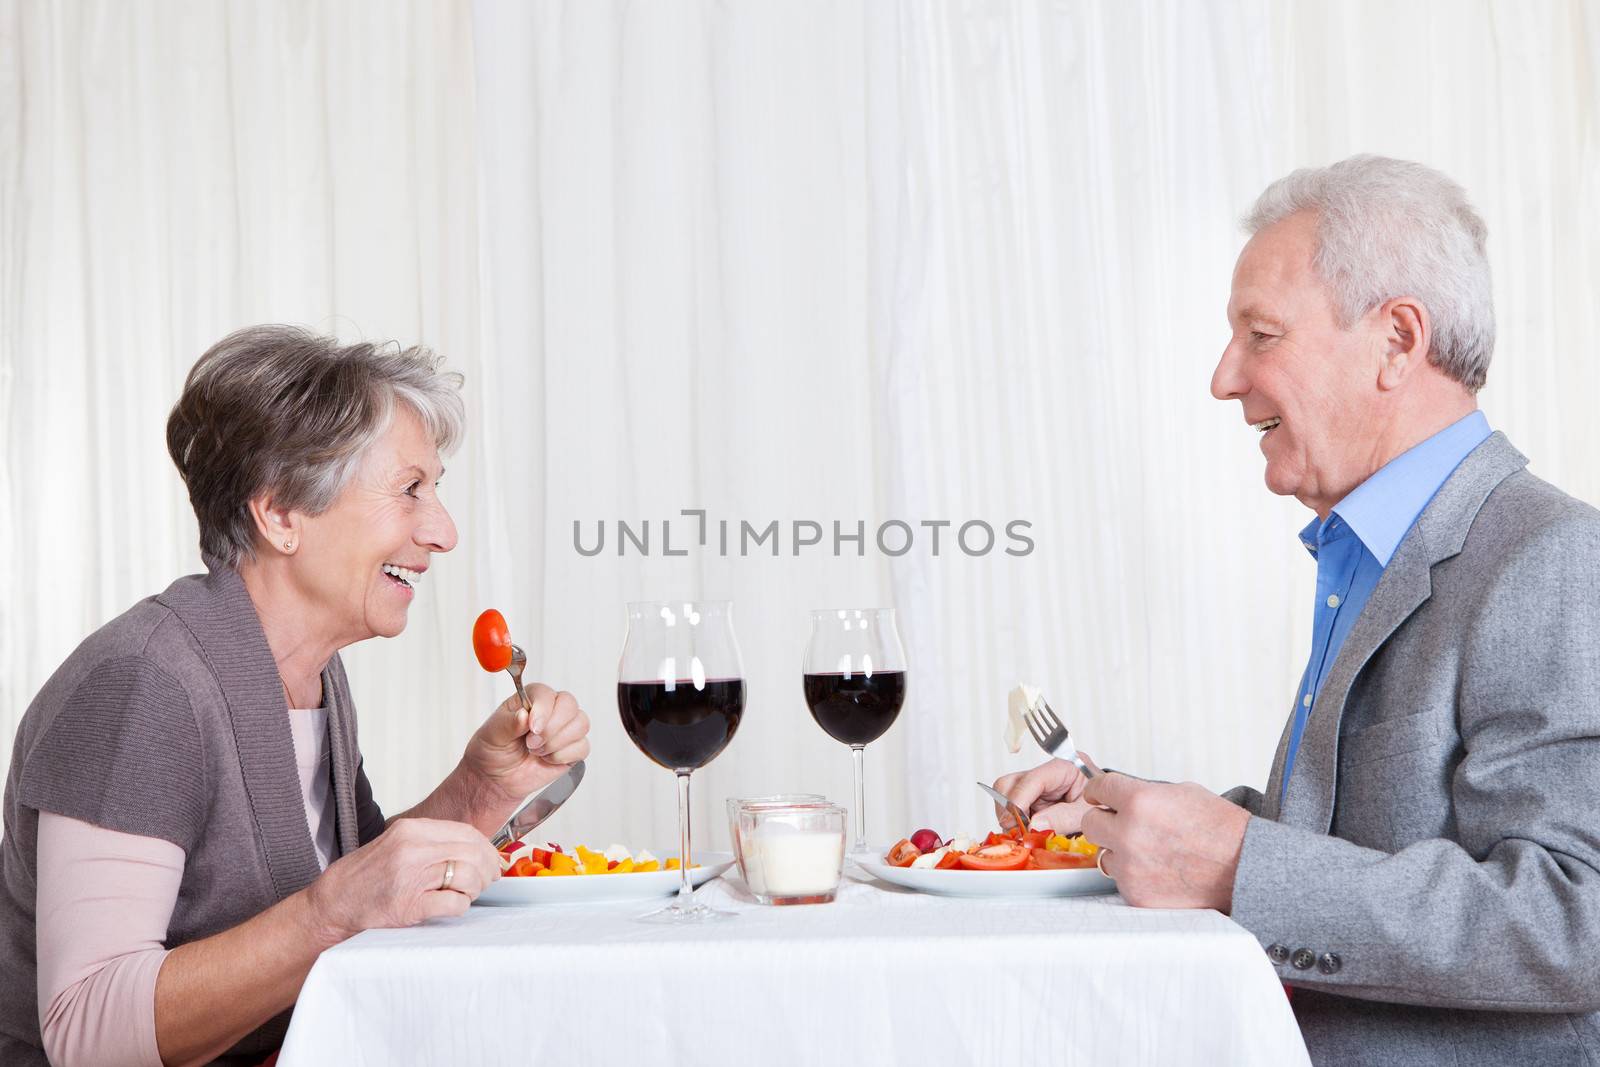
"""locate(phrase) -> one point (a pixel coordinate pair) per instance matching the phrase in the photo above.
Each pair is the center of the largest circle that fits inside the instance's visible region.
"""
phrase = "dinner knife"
(539, 807)
(1013, 814)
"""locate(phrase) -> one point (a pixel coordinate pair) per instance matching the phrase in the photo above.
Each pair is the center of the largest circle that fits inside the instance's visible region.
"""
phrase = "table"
(881, 975)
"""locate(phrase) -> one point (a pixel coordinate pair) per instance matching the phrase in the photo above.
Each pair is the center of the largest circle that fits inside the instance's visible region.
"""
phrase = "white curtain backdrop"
(782, 261)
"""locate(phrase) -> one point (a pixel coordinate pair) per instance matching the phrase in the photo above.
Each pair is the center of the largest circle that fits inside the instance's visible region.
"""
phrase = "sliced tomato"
(1009, 856)
(491, 640)
(1036, 838)
(902, 854)
(1049, 860)
(524, 868)
(995, 838)
(949, 861)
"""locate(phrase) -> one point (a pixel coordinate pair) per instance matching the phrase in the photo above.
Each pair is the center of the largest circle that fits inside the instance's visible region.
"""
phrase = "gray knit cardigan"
(170, 722)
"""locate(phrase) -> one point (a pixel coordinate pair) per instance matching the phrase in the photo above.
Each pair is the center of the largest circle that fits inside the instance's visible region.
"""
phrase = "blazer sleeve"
(1245, 797)
(1505, 915)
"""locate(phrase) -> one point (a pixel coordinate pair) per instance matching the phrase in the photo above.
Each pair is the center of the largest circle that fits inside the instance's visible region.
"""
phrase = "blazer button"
(1278, 954)
(1330, 963)
(1302, 959)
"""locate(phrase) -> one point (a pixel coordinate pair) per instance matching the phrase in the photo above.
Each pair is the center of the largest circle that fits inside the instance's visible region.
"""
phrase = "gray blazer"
(1430, 885)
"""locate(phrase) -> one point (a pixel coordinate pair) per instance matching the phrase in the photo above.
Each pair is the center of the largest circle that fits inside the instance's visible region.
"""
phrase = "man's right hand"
(393, 880)
(1051, 794)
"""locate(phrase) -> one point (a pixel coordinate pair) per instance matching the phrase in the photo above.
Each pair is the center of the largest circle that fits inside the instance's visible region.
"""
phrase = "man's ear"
(1406, 334)
(279, 527)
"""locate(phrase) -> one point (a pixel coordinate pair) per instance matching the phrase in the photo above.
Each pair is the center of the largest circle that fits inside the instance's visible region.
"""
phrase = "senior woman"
(187, 819)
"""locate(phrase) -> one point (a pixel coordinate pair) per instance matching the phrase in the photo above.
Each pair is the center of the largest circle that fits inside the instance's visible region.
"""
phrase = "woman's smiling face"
(358, 562)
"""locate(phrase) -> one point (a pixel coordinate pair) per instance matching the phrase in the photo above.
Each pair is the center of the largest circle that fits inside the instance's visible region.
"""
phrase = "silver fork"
(519, 663)
(1053, 736)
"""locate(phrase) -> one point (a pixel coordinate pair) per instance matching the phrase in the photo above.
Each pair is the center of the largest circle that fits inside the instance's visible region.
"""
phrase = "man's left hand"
(1169, 846)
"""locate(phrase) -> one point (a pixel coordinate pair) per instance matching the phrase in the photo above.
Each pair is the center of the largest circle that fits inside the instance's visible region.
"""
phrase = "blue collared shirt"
(1355, 542)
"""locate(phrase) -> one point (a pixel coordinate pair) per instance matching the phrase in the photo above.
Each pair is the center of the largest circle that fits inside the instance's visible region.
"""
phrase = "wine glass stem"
(858, 752)
(685, 889)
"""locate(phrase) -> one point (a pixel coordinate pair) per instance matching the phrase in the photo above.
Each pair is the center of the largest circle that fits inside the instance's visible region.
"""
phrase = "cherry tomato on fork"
(491, 640)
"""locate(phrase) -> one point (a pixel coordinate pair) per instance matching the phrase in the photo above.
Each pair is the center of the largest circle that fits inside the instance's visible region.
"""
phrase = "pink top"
(104, 899)
(313, 754)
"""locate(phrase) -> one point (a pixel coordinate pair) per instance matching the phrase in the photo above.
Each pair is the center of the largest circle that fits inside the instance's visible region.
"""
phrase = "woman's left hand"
(517, 752)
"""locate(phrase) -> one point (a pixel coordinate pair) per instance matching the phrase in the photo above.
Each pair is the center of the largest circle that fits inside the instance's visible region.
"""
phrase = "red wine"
(683, 727)
(856, 708)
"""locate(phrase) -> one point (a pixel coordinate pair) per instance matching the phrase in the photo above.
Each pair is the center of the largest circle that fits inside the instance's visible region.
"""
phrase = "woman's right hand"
(394, 879)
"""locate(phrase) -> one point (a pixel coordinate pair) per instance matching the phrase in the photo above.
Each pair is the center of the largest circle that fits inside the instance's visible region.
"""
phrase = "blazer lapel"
(1407, 582)
(220, 615)
(1270, 802)
(1404, 587)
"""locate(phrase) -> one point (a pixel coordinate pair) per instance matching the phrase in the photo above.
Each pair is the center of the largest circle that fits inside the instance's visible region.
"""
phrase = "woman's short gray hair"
(284, 411)
(1388, 228)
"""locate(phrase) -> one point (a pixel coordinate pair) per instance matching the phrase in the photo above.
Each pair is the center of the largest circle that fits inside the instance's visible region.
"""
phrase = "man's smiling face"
(1308, 386)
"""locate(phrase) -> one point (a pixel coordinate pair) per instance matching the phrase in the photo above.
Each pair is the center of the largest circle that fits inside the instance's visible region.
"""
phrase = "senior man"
(1424, 866)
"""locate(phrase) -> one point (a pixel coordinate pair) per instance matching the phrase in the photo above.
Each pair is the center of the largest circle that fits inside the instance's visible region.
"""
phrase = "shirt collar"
(1382, 509)
(1320, 533)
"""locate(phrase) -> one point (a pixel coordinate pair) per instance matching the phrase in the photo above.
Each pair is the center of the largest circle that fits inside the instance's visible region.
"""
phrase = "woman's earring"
(288, 546)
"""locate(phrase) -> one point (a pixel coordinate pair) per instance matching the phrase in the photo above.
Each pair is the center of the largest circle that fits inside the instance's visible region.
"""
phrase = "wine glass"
(855, 682)
(680, 689)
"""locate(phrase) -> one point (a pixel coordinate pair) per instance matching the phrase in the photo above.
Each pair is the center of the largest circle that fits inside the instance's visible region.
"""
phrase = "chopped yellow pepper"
(1082, 846)
(1077, 844)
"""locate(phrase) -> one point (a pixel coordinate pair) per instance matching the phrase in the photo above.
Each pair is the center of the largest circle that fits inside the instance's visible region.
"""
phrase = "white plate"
(1066, 883)
(592, 888)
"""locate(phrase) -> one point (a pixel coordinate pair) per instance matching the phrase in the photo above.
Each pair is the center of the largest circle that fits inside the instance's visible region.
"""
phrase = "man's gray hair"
(283, 411)
(1388, 228)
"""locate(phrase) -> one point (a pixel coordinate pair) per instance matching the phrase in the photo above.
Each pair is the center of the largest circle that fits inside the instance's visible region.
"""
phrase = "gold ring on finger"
(1100, 859)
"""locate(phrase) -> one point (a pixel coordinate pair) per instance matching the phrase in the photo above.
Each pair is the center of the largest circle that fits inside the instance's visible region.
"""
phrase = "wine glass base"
(690, 915)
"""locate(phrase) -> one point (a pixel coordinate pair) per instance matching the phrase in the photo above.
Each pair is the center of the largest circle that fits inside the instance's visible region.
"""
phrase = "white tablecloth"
(881, 975)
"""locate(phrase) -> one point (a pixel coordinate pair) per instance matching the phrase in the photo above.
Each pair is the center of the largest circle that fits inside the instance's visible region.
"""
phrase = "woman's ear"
(278, 526)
